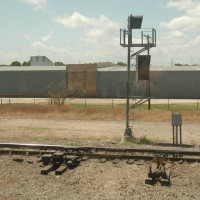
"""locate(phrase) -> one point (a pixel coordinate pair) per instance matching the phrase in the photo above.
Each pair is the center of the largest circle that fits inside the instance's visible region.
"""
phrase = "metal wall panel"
(175, 84)
(112, 84)
(30, 83)
(9, 83)
(109, 84)
(40, 82)
(163, 84)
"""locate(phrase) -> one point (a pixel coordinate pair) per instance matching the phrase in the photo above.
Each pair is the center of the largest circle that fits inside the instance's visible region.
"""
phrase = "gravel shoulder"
(92, 180)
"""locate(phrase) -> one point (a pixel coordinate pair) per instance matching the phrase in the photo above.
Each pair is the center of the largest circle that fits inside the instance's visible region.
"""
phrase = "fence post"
(168, 104)
(112, 103)
(85, 103)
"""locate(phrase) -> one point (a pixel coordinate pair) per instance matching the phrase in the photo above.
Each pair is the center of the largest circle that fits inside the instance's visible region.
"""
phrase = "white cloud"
(38, 45)
(188, 22)
(181, 36)
(41, 46)
(74, 20)
(184, 23)
(194, 12)
(47, 37)
(63, 54)
(99, 39)
(177, 45)
(102, 40)
(182, 4)
(102, 32)
(177, 34)
(36, 4)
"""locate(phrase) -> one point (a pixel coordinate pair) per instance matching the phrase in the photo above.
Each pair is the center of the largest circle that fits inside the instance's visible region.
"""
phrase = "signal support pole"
(128, 132)
(149, 87)
(134, 22)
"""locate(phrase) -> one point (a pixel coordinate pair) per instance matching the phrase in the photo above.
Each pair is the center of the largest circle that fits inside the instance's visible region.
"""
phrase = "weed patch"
(144, 140)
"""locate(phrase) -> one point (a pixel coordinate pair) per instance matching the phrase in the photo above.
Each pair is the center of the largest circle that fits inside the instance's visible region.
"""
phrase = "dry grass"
(61, 112)
(163, 116)
(95, 113)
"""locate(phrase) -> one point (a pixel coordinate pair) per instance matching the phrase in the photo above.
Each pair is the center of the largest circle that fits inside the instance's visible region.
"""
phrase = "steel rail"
(95, 155)
(64, 148)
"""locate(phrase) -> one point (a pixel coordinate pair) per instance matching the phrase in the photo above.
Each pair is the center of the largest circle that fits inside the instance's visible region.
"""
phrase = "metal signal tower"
(135, 22)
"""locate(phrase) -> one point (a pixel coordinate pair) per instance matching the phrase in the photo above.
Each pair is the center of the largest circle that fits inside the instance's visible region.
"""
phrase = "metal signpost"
(134, 22)
(176, 123)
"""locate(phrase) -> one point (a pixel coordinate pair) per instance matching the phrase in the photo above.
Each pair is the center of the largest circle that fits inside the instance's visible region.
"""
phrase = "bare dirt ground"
(89, 132)
(93, 180)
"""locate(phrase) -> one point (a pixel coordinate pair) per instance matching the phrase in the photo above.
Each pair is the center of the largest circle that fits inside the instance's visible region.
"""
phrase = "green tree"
(59, 64)
(122, 64)
(15, 63)
(28, 63)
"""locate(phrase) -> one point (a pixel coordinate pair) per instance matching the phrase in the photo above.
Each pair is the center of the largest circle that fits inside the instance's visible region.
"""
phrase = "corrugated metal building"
(40, 61)
(105, 82)
(30, 81)
(173, 82)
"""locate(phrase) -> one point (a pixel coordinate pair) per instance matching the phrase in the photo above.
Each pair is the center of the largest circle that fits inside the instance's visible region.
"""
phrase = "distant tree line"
(28, 63)
(17, 63)
(122, 64)
(178, 64)
(58, 63)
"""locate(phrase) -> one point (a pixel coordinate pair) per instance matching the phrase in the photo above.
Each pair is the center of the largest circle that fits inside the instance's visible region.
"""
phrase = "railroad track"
(98, 152)
(59, 158)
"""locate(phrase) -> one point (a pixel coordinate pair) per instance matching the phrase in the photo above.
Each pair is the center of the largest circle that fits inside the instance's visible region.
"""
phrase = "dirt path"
(88, 131)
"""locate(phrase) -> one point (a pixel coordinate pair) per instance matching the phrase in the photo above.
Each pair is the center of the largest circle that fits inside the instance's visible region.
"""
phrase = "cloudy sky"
(84, 31)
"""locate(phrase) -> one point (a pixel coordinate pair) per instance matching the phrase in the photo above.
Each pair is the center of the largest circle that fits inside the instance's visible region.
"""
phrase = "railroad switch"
(46, 159)
(58, 162)
(57, 159)
(72, 161)
(158, 172)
